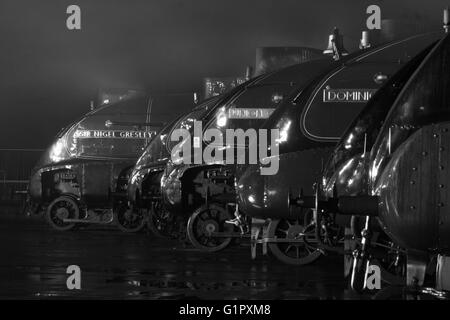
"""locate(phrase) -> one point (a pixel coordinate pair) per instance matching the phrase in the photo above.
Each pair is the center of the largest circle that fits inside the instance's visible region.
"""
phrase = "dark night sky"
(49, 74)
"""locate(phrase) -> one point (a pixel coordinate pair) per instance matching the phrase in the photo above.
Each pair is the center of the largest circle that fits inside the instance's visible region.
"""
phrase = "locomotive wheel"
(160, 221)
(294, 253)
(206, 220)
(63, 207)
(129, 220)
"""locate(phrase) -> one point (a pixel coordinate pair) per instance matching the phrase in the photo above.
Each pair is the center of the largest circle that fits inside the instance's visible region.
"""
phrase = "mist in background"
(49, 74)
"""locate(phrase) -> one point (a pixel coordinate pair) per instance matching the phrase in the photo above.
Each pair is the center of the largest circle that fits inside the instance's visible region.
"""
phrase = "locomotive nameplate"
(347, 95)
(250, 113)
(113, 134)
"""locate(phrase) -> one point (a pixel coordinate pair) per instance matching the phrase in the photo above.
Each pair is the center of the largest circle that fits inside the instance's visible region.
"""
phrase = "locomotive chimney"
(195, 98)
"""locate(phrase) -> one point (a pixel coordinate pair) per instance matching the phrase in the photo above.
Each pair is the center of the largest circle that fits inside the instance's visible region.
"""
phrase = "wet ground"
(115, 265)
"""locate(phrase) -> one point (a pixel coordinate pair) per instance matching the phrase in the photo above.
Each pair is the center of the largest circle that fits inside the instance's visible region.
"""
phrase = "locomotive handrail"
(109, 123)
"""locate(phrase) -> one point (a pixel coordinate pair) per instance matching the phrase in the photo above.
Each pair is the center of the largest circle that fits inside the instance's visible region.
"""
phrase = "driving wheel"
(205, 225)
(295, 240)
(128, 219)
(61, 208)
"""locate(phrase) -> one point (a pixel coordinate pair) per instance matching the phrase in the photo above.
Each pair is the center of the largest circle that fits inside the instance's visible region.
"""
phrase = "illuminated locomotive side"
(81, 177)
(310, 125)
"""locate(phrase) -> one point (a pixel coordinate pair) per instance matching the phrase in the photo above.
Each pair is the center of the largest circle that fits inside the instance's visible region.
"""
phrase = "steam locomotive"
(144, 190)
(82, 176)
(203, 194)
(310, 124)
(403, 179)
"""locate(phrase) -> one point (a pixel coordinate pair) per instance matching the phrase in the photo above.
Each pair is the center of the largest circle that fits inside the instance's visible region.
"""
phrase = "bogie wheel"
(204, 222)
(160, 220)
(61, 208)
(305, 248)
(129, 219)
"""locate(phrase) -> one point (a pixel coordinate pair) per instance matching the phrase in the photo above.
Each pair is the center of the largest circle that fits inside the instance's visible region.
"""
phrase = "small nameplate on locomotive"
(113, 134)
(250, 113)
(347, 95)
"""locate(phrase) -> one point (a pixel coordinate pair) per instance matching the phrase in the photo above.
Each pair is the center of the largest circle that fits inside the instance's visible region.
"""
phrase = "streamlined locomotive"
(204, 193)
(346, 174)
(82, 176)
(144, 190)
(408, 175)
(389, 172)
(310, 124)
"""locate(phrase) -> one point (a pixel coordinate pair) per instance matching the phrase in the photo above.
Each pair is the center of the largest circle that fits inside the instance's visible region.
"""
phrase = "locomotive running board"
(276, 240)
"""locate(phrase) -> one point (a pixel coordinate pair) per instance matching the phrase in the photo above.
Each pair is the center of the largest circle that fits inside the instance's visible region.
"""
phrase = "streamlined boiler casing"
(89, 158)
(312, 123)
(235, 110)
(410, 159)
(346, 171)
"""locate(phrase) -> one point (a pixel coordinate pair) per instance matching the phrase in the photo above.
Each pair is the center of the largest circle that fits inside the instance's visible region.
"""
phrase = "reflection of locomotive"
(310, 123)
(81, 177)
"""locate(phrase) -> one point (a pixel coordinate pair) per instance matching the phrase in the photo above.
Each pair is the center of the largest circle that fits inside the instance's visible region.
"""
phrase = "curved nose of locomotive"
(251, 193)
(171, 188)
(135, 184)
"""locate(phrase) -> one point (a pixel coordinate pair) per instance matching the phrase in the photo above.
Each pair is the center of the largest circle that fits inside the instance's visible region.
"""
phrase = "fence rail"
(15, 170)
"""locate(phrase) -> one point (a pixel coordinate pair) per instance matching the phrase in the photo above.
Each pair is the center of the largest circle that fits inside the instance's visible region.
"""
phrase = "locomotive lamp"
(364, 42)
(196, 99)
(58, 151)
(446, 19)
(248, 73)
(335, 45)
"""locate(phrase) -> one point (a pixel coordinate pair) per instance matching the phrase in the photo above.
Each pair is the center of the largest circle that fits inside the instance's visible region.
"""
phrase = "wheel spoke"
(297, 249)
(288, 248)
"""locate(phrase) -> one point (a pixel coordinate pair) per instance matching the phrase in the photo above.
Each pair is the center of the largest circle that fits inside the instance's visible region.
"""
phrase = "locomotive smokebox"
(410, 160)
(414, 190)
